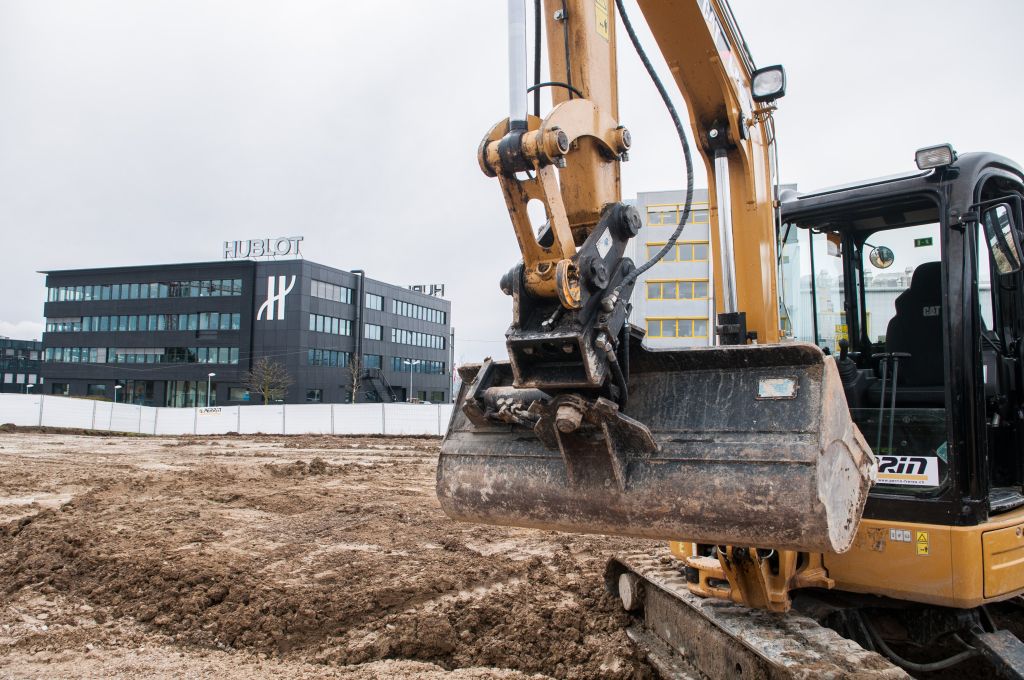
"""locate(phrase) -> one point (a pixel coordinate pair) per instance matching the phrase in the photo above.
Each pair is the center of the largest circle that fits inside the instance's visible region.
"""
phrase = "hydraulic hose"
(684, 217)
(905, 664)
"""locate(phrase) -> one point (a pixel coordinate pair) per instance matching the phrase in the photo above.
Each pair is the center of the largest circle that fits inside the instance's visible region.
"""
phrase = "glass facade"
(677, 328)
(668, 214)
(404, 337)
(677, 289)
(213, 321)
(239, 328)
(329, 291)
(188, 393)
(327, 357)
(145, 291)
(238, 394)
(142, 355)
(404, 365)
(139, 392)
(420, 312)
(690, 251)
(319, 323)
(20, 365)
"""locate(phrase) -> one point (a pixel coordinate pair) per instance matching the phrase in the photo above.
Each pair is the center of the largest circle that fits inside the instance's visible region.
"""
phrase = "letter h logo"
(275, 298)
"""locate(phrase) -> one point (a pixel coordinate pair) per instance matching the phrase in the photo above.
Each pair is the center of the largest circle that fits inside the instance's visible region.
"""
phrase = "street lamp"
(209, 378)
(116, 388)
(411, 363)
(28, 386)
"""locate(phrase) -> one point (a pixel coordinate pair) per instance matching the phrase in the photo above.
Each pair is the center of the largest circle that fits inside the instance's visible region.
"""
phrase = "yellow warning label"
(922, 542)
(602, 17)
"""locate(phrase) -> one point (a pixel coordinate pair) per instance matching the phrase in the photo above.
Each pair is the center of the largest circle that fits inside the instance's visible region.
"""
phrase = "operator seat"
(917, 330)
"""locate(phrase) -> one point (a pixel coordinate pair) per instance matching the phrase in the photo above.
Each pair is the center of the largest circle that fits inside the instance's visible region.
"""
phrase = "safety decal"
(602, 17)
(901, 535)
(922, 542)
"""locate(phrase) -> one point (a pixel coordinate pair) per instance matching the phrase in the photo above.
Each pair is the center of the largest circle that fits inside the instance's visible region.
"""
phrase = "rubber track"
(785, 645)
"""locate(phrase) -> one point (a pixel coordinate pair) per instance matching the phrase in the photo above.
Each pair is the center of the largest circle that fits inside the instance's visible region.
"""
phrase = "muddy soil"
(289, 557)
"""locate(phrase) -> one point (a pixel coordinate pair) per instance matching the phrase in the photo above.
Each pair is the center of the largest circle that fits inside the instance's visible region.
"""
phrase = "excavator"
(839, 474)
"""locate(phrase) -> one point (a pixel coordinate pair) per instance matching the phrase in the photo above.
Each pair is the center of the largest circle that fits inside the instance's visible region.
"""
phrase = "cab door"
(998, 287)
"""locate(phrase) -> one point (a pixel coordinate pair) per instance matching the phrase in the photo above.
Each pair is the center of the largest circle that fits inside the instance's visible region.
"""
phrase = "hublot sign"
(265, 247)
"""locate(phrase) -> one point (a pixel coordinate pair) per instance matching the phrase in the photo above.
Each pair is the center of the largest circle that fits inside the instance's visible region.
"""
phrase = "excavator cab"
(914, 284)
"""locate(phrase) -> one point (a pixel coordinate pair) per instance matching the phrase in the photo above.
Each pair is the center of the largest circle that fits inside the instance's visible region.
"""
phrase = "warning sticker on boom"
(908, 470)
(602, 17)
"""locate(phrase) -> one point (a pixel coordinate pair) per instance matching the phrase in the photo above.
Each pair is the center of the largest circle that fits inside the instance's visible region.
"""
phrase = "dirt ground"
(285, 557)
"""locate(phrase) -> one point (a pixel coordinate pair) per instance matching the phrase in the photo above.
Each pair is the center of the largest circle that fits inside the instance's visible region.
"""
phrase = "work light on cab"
(768, 84)
(934, 156)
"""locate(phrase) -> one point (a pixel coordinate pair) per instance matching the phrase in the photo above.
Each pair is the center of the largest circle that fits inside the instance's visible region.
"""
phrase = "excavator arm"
(734, 134)
(584, 429)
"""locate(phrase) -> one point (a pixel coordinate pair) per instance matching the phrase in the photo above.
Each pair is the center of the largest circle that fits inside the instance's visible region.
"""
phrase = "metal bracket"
(594, 438)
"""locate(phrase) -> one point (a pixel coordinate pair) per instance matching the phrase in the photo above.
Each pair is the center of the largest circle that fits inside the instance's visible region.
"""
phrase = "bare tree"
(355, 373)
(269, 379)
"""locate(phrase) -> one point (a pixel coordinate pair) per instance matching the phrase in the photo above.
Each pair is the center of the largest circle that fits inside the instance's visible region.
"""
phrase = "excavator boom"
(583, 428)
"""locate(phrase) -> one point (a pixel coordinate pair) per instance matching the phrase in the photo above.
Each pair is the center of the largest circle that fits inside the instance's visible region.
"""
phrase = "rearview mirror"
(881, 257)
(1001, 233)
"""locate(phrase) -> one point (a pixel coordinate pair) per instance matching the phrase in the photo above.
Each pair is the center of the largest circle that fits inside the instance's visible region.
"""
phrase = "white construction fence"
(396, 419)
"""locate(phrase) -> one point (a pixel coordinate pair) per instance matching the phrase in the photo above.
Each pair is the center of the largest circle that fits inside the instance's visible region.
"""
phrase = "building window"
(238, 394)
(373, 331)
(437, 397)
(327, 357)
(96, 390)
(404, 365)
(69, 325)
(223, 321)
(404, 337)
(374, 302)
(329, 291)
(314, 396)
(8, 378)
(668, 214)
(373, 361)
(329, 324)
(62, 389)
(187, 393)
(677, 289)
(686, 327)
(685, 251)
(142, 355)
(145, 291)
(420, 312)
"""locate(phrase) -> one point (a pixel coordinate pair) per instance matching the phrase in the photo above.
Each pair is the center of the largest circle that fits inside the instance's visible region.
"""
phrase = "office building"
(19, 365)
(153, 334)
(674, 299)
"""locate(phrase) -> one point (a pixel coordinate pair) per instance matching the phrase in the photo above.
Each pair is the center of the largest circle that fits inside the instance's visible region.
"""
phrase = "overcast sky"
(145, 131)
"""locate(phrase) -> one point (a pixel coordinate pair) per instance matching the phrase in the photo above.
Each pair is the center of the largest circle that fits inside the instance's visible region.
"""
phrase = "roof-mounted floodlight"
(768, 84)
(935, 156)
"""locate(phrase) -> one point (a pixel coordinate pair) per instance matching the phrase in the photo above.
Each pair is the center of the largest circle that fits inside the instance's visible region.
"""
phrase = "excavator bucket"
(748, 445)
